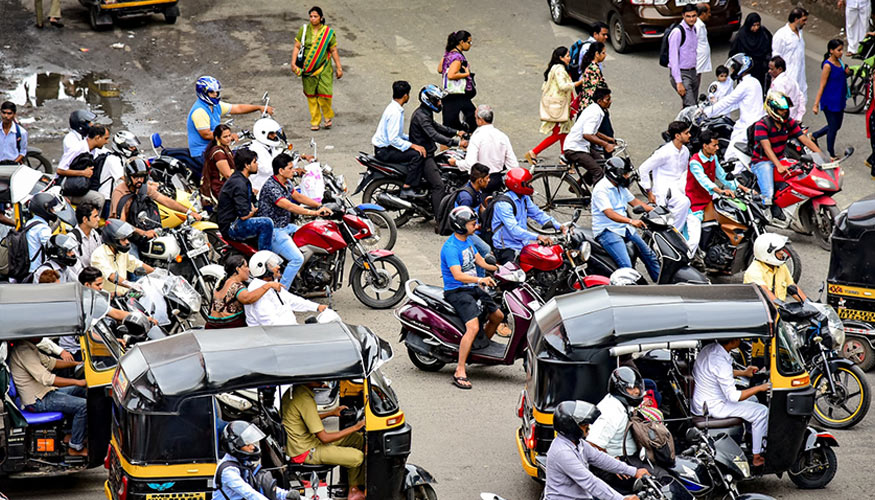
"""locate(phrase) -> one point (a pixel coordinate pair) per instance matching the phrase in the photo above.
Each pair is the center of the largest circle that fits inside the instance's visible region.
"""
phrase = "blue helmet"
(206, 84)
(739, 65)
(431, 96)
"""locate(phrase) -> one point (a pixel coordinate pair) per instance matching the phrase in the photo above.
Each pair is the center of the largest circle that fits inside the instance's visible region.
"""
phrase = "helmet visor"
(65, 212)
(782, 254)
(251, 435)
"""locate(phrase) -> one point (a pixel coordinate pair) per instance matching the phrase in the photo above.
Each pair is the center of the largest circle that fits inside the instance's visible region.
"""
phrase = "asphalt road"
(466, 439)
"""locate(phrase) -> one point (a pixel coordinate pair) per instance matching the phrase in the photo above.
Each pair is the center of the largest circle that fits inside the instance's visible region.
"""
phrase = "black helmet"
(51, 207)
(460, 217)
(80, 120)
(136, 167)
(570, 415)
(116, 230)
(431, 96)
(125, 143)
(621, 380)
(62, 249)
(238, 434)
(616, 170)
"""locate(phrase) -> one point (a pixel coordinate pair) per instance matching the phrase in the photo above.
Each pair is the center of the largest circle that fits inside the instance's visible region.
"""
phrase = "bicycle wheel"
(559, 195)
(860, 89)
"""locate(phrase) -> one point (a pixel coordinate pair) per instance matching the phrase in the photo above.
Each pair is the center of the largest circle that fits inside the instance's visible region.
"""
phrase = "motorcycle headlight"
(196, 238)
(341, 182)
(823, 183)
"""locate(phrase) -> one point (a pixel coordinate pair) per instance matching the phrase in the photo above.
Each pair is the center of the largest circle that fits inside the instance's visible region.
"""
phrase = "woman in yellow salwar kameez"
(320, 47)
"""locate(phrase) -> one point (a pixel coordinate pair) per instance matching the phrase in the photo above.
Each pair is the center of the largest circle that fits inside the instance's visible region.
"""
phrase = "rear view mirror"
(705, 409)
(692, 434)
(140, 271)
(575, 216)
(156, 140)
(793, 290)
(849, 151)
(264, 97)
(703, 98)
(638, 209)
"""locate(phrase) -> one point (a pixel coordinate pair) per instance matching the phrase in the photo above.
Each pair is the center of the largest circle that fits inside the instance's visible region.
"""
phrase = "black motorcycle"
(670, 247)
(721, 126)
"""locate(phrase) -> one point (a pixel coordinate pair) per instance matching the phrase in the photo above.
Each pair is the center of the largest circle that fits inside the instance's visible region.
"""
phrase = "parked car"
(103, 13)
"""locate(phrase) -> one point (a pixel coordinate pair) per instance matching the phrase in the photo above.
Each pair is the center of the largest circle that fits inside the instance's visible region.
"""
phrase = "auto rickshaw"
(851, 280)
(18, 183)
(576, 340)
(103, 13)
(31, 444)
(170, 403)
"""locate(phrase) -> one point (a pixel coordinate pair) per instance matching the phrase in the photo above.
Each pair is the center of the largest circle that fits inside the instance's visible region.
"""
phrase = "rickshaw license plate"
(199, 251)
(177, 496)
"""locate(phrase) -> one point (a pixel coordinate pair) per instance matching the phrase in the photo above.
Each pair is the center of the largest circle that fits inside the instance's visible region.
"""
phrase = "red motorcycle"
(377, 276)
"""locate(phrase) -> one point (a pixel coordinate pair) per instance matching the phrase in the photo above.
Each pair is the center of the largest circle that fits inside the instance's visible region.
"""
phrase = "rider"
(488, 146)
(459, 261)
(472, 196)
(425, 131)
(239, 475)
(769, 268)
(704, 173)
(235, 213)
(85, 233)
(82, 152)
(60, 252)
(46, 208)
(512, 211)
(746, 97)
(610, 225)
(274, 307)
(625, 392)
(123, 146)
(80, 121)
(277, 200)
(113, 257)
(207, 112)
(269, 142)
(569, 458)
(392, 145)
(585, 133)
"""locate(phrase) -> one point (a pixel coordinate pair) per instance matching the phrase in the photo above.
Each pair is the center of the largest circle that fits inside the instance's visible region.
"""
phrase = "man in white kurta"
(747, 98)
(703, 48)
(789, 43)
(857, 13)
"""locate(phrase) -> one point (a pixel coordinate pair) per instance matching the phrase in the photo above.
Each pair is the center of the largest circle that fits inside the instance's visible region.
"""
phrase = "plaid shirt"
(776, 134)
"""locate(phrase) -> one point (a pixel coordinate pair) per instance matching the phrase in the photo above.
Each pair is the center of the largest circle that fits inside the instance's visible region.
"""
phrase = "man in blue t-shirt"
(459, 262)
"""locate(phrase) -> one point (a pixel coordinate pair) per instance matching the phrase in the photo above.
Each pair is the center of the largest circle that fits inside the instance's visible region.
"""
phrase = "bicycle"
(860, 77)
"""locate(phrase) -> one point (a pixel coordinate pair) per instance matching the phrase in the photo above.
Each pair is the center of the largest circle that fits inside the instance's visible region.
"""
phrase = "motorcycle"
(699, 122)
(166, 297)
(184, 164)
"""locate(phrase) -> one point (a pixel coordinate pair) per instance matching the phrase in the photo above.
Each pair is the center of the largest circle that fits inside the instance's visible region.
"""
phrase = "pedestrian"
(755, 41)
(592, 77)
(787, 86)
(556, 94)
(598, 33)
(832, 93)
(682, 57)
(54, 13)
(458, 82)
(13, 137)
(857, 14)
(789, 43)
(319, 43)
(703, 48)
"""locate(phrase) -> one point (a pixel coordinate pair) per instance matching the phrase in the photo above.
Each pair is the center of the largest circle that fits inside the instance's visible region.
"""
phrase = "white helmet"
(266, 126)
(625, 276)
(769, 248)
(263, 262)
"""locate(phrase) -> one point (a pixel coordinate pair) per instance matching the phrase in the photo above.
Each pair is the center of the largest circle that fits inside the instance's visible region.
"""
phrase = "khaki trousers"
(346, 452)
(54, 10)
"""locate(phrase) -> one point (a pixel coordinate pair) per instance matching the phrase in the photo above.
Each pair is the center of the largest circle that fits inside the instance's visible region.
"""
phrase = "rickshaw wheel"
(859, 351)
(850, 383)
(424, 362)
(421, 492)
(815, 468)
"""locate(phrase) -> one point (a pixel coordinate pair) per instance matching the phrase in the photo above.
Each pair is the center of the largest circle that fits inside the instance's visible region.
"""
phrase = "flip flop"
(459, 382)
(328, 124)
(314, 129)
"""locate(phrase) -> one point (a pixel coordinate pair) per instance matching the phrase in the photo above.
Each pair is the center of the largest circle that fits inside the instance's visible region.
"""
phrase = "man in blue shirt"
(391, 144)
(13, 137)
(509, 232)
(239, 475)
(459, 260)
(610, 225)
(46, 208)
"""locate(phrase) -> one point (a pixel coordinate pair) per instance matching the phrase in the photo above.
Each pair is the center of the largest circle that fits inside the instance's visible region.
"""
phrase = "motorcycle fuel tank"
(320, 233)
(540, 257)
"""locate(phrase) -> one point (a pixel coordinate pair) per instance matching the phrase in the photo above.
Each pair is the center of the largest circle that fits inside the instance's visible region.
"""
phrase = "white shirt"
(275, 308)
(721, 90)
(72, 139)
(703, 48)
(71, 153)
(588, 123)
(790, 88)
(112, 172)
(712, 374)
(265, 156)
(669, 167)
(747, 97)
(608, 430)
(66, 274)
(492, 148)
(791, 47)
(87, 246)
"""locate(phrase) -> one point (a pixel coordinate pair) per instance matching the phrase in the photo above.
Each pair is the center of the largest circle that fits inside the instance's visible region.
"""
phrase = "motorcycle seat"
(716, 423)
(371, 159)
(434, 295)
(744, 148)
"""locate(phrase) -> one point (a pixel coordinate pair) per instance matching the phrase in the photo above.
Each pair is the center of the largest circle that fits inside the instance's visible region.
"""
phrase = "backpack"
(447, 204)
(14, 254)
(18, 139)
(140, 203)
(663, 47)
(486, 231)
(574, 68)
(78, 185)
(653, 436)
(751, 130)
(98, 170)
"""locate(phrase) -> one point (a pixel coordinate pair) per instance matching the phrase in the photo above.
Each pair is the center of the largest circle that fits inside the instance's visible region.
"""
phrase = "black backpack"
(486, 232)
(78, 185)
(663, 47)
(448, 202)
(751, 130)
(14, 254)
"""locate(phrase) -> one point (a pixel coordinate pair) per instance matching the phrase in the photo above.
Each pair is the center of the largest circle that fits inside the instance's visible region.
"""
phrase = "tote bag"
(554, 109)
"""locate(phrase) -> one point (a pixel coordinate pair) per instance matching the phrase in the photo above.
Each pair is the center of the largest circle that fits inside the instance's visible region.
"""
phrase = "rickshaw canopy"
(156, 376)
(851, 262)
(48, 309)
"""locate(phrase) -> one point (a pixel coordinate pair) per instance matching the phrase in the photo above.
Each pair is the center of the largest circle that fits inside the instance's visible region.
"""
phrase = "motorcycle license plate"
(198, 251)
(681, 3)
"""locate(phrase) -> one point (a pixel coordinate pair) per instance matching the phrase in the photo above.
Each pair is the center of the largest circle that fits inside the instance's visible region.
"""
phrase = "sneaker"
(777, 213)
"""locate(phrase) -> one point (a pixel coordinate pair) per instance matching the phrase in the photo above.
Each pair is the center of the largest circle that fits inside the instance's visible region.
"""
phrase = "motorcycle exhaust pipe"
(391, 201)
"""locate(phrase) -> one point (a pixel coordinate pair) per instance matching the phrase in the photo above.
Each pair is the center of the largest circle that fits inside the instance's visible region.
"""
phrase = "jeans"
(615, 245)
(482, 248)
(765, 172)
(282, 245)
(68, 400)
(834, 121)
(254, 226)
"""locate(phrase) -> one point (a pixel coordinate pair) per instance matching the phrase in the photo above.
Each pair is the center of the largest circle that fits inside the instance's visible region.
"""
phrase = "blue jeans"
(282, 245)
(68, 400)
(254, 226)
(765, 172)
(482, 248)
(615, 245)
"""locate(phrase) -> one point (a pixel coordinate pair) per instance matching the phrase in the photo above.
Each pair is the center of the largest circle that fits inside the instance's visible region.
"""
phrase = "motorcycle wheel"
(389, 186)
(849, 405)
(859, 89)
(210, 284)
(421, 492)
(385, 231)
(859, 351)
(823, 231)
(39, 162)
(558, 195)
(424, 362)
(814, 468)
(389, 269)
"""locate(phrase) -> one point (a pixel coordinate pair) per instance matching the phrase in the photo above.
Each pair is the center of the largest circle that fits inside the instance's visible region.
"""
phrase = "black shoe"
(407, 193)
(777, 213)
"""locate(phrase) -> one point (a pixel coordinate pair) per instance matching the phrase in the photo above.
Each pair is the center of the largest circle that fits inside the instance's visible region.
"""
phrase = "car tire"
(619, 40)
(557, 11)
(93, 15)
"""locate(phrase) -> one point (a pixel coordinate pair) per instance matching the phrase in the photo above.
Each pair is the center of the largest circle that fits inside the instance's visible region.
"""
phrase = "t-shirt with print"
(271, 193)
(456, 252)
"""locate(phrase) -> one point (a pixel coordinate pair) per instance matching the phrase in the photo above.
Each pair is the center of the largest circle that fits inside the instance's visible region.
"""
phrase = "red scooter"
(377, 276)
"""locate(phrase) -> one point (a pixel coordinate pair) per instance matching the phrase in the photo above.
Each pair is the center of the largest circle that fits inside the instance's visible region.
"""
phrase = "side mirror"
(849, 151)
(730, 176)
(638, 209)
(264, 97)
(575, 216)
(703, 98)
(693, 434)
(156, 140)
(140, 271)
(793, 290)
(705, 412)
(667, 195)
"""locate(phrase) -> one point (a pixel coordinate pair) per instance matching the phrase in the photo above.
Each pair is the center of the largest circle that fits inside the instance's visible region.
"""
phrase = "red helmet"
(519, 180)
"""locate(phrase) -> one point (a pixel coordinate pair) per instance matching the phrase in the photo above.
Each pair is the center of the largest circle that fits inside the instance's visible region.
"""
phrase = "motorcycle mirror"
(668, 195)
(264, 97)
(693, 434)
(140, 271)
(703, 98)
(638, 209)
(575, 216)
(230, 122)
(490, 259)
(156, 140)
(730, 176)
(705, 410)
(821, 290)
(849, 151)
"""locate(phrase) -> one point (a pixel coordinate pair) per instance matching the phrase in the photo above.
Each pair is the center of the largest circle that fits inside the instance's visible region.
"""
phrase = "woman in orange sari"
(319, 44)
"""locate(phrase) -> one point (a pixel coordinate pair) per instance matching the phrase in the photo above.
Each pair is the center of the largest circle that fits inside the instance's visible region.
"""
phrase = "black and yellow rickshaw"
(169, 405)
(31, 444)
(576, 340)
(851, 280)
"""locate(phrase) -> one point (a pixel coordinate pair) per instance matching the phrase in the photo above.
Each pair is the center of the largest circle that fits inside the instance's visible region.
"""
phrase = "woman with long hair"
(458, 82)
(226, 309)
(832, 93)
(592, 77)
(755, 41)
(319, 44)
(218, 164)
(557, 84)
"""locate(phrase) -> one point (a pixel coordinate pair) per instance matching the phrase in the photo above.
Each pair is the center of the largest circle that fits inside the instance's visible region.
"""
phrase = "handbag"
(554, 109)
(299, 61)
(455, 86)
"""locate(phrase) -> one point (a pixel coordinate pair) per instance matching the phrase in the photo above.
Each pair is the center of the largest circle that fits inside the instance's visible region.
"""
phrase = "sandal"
(328, 124)
(314, 128)
(503, 331)
(461, 381)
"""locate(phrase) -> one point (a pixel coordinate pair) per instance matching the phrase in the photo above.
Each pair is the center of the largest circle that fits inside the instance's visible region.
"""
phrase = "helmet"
(625, 276)
(116, 230)
(206, 84)
(769, 248)
(519, 180)
(136, 167)
(570, 415)
(738, 65)
(59, 247)
(775, 103)
(80, 120)
(617, 169)
(125, 144)
(460, 217)
(265, 126)
(621, 380)
(51, 207)
(238, 434)
(262, 262)
(431, 96)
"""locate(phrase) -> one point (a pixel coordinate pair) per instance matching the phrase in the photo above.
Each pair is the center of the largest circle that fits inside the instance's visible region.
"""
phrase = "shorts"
(464, 301)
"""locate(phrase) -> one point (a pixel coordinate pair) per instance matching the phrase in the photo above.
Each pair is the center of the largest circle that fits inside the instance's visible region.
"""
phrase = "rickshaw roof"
(46, 309)
(627, 315)
(156, 376)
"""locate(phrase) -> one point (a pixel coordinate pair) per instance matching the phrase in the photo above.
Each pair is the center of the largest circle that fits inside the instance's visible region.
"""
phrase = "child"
(720, 88)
